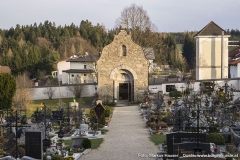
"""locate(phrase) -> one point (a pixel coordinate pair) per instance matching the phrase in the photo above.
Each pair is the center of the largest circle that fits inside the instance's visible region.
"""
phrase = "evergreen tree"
(189, 50)
(7, 90)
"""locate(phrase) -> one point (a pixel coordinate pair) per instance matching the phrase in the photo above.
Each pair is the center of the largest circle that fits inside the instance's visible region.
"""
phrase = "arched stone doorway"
(123, 88)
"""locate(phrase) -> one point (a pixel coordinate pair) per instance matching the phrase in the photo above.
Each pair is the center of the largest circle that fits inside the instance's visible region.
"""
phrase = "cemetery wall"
(61, 92)
(232, 83)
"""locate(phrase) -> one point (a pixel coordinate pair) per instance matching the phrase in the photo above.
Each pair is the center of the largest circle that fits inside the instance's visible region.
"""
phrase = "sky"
(167, 15)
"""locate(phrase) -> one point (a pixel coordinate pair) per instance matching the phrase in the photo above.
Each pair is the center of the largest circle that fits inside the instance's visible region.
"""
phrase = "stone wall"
(112, 60)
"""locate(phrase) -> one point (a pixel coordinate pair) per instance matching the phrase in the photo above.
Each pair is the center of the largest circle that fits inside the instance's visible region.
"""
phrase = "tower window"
(124, 50)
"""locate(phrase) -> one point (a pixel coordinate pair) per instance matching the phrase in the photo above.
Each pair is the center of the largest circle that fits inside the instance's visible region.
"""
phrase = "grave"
(33, 144)
(83, 129)
(183, 138)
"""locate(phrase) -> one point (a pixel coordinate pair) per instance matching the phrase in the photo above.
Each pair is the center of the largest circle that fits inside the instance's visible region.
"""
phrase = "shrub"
(215, 138)
(53, 157)
(86, 143)
(175, 93)
(107, 111)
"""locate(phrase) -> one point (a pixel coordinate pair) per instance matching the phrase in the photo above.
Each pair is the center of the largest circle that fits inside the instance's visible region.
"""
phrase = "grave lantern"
(60, 134)
(46, 142)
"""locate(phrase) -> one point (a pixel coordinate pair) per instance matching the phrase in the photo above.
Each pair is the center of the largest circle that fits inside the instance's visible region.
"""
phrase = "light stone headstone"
(83, 129)
(73, 105)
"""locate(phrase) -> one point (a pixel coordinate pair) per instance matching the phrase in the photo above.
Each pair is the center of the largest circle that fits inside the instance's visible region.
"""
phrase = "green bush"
(107, 111)
(175, 94)
(53, 157)
(215, 138)
(86, 143)
(213, 129)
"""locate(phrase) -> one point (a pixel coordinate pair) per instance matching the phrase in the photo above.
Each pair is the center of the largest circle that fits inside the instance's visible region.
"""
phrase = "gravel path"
(127, 138)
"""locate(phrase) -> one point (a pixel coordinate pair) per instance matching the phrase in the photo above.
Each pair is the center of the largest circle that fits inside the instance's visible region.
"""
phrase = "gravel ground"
(127, 138)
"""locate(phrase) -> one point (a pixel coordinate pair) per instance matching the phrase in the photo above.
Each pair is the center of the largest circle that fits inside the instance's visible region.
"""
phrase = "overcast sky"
(167, 15)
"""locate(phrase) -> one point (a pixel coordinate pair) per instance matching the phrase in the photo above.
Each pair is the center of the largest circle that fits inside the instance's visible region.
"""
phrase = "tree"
(7, 90)
(24, 92)
(189, 50)
(136, 19)
(77, 88)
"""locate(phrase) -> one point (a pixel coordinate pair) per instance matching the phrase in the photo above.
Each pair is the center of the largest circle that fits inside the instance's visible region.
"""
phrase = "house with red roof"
(5, 69)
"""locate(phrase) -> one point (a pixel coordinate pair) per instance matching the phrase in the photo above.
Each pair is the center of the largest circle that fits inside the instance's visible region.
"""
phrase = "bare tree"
(77, 88)
(136, 19)
(24, 92)
(106, 93)
(49, 91)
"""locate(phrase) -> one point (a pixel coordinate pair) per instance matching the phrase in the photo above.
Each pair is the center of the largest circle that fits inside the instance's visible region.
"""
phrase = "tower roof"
(211, 29)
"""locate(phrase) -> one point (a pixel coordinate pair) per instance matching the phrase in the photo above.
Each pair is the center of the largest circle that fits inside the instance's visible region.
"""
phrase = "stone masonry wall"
(112, 59)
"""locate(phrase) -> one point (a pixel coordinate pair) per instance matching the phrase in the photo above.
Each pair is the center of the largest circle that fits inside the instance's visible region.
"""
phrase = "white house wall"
(63, 65)
(233, 71)
(64, 78)
(238, 70)
(77, 65)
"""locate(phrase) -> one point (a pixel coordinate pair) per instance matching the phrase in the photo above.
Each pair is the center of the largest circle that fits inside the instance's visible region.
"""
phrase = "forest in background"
(36, 48)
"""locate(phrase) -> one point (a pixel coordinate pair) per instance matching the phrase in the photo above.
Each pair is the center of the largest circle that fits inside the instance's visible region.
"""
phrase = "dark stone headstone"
(33, 144)
(227, 138)
(183, 137)
(190, 148)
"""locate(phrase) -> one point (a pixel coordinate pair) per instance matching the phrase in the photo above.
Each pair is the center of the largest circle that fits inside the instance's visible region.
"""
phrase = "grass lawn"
(53, 104)
(158, 138)
(95, 143)
(68, 144)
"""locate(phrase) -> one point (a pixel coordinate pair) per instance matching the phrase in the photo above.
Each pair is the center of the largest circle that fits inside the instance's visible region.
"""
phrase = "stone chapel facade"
(122, 69)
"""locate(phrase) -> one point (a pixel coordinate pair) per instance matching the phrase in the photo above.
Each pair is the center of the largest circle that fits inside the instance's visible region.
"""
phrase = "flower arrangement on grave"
(162, 124)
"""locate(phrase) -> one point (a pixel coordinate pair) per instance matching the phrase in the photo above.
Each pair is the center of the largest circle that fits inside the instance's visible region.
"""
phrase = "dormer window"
(124, 50)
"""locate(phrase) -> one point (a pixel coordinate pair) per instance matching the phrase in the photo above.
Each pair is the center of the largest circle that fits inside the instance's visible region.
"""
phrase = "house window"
(72, 75)
(84, 74)
(85, 66)
(124, 50)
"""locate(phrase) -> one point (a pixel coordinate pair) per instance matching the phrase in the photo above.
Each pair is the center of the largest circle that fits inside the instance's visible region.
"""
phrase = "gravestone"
(183, 137)
(190, 148)
(73, 105)
(77, 142)
(227, 137)
(83, 129)
(33, 144)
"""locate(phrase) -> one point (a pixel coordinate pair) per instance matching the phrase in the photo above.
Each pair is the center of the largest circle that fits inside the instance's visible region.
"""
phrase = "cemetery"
(65, 133)
(196, 119)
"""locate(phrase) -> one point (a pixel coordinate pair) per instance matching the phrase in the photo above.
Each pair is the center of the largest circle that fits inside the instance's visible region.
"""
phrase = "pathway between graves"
(127, 138)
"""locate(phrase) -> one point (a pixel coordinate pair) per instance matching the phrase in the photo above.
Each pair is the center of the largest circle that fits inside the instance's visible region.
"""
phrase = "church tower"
(211, 52)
